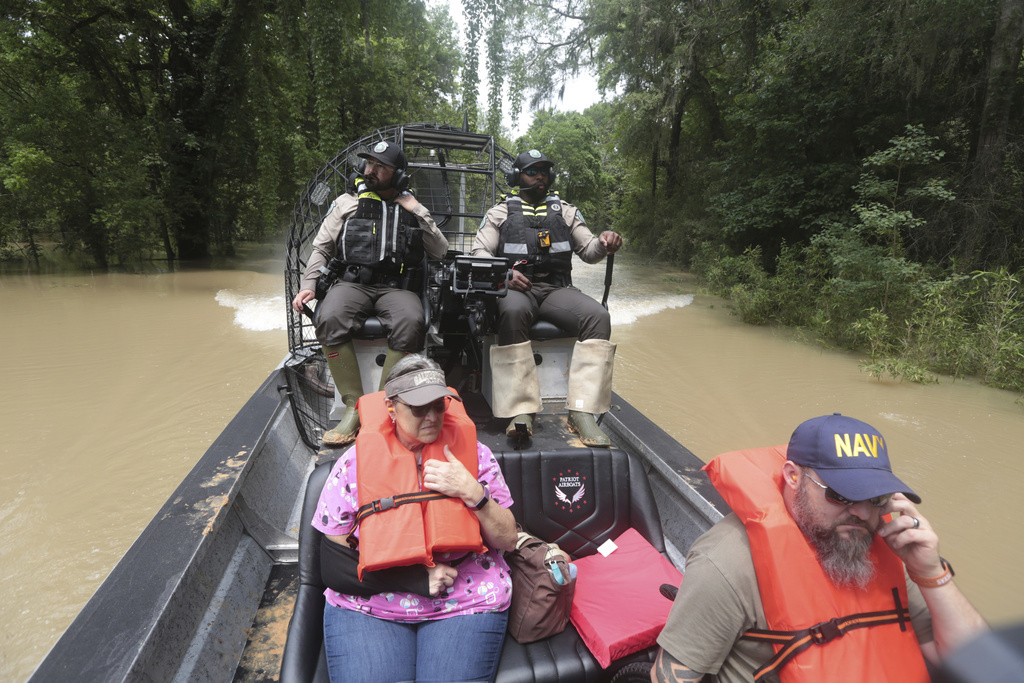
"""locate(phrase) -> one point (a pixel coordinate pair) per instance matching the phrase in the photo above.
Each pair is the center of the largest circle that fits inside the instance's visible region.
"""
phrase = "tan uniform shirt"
(584, 243)
(719, 600)
(325, 243)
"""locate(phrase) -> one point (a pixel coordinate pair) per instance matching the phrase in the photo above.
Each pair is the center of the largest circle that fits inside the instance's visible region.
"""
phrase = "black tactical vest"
(380, 241)
(539, 236)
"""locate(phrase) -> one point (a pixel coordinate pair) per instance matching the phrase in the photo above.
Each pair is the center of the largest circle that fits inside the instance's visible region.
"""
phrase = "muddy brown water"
(114, 385)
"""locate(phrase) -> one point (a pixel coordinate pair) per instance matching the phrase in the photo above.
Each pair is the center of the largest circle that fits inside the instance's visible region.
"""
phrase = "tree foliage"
(179, 127)
(852, 167)
(749, 119)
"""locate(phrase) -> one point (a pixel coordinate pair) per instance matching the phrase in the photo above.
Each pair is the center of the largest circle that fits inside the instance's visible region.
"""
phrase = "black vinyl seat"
(373, 328)
(616, 496)
(542, 330)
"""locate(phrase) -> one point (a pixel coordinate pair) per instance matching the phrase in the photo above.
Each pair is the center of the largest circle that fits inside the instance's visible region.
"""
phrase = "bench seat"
(616, 497)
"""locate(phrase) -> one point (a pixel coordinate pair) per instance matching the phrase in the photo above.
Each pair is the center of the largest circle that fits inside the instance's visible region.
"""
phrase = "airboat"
(218, 586)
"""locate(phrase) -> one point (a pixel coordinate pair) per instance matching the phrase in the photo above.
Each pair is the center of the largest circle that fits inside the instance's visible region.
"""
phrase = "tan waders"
(515, 389)
(345, 370)
(590, 388)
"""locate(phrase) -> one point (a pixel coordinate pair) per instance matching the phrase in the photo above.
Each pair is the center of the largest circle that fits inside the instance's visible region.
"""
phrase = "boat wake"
(628, 311)
(259, 313)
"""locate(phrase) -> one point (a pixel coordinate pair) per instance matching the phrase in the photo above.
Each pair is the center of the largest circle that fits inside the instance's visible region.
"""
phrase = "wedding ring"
(917, 522)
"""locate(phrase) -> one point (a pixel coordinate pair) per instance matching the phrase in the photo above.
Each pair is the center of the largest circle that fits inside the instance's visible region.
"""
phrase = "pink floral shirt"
(483, 584)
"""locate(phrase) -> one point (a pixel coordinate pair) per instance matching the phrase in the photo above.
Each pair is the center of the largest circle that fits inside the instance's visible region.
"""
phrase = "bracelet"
(933, 581)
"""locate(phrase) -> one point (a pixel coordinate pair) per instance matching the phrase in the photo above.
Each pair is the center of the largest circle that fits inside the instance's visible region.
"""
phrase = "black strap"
(795, 642)
(382, 504)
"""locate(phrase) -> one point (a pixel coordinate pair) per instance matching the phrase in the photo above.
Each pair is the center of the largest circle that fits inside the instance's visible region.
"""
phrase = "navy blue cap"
(850, 456)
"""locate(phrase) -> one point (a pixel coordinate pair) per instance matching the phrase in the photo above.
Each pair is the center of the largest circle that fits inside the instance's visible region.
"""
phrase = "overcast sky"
(580, 93)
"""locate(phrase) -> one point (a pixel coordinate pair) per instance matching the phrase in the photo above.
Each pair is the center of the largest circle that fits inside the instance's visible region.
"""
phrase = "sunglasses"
(438, 406)
(833, 497)
(530, 172)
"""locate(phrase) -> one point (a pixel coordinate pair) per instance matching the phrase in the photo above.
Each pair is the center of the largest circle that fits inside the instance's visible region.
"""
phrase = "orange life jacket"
(403, 534)
(819, 631)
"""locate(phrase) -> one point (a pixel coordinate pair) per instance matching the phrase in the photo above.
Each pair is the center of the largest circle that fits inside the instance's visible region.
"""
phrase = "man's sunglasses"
(438, 406)
(833, 497)
(530, 172)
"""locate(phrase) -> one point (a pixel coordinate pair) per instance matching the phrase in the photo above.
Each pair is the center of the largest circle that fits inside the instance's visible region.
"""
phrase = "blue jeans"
(365, 649)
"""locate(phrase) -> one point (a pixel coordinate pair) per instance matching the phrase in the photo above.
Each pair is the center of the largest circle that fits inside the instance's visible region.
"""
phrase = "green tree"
(184, 127)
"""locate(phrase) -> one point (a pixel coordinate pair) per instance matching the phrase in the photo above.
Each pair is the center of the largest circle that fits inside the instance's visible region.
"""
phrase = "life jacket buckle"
(382, 504)
(825, 631)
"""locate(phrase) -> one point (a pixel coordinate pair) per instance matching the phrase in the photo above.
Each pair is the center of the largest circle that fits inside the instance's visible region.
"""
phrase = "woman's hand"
(497, 525)
(452, 479)
(440, 577)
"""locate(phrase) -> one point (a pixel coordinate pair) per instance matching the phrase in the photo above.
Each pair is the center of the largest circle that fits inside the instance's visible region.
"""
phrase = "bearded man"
(824, 571)
(365, 261)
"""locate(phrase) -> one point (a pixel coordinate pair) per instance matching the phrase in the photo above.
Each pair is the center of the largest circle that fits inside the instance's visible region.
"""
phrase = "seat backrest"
(303, 659)
(309, 536)
(579, 498)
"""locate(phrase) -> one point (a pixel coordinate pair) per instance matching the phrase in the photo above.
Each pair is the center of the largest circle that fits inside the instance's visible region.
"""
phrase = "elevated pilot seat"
(552, 351)
(371, 345)
(616, 496)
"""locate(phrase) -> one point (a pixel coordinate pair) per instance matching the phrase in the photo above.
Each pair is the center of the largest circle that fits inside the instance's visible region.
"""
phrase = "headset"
(399, 179)
(513, 179)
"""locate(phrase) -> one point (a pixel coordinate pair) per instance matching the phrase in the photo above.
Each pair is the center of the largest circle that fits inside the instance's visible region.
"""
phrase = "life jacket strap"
(795, 642)
(382, 504)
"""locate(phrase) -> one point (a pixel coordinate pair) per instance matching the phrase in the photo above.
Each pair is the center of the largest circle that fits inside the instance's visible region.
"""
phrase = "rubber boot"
(585, 424)
(590, 388)
(390, 359)
(515, 389)
(521, 426)
(345, 370)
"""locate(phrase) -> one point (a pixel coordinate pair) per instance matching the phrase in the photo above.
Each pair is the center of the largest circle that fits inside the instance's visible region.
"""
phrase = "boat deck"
(261, 658)
(208, 589)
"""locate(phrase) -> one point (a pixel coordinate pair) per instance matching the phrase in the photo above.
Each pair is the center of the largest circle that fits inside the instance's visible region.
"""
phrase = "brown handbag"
(540, 604)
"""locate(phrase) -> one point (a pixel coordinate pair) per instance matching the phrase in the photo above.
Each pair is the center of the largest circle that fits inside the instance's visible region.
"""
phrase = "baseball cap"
(850, 456)
(532, 158)
(386, 153)
(419, 388)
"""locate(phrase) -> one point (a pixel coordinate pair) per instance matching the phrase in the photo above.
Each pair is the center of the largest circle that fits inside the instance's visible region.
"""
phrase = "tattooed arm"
(668, 669)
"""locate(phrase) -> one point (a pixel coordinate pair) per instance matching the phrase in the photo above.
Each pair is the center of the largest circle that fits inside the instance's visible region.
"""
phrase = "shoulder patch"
(579, 214)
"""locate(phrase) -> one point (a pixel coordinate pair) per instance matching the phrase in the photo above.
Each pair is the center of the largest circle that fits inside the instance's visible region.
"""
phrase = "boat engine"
(462, 294)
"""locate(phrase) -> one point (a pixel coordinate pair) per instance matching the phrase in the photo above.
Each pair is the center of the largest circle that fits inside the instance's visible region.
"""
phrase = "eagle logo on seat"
(570, 489)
